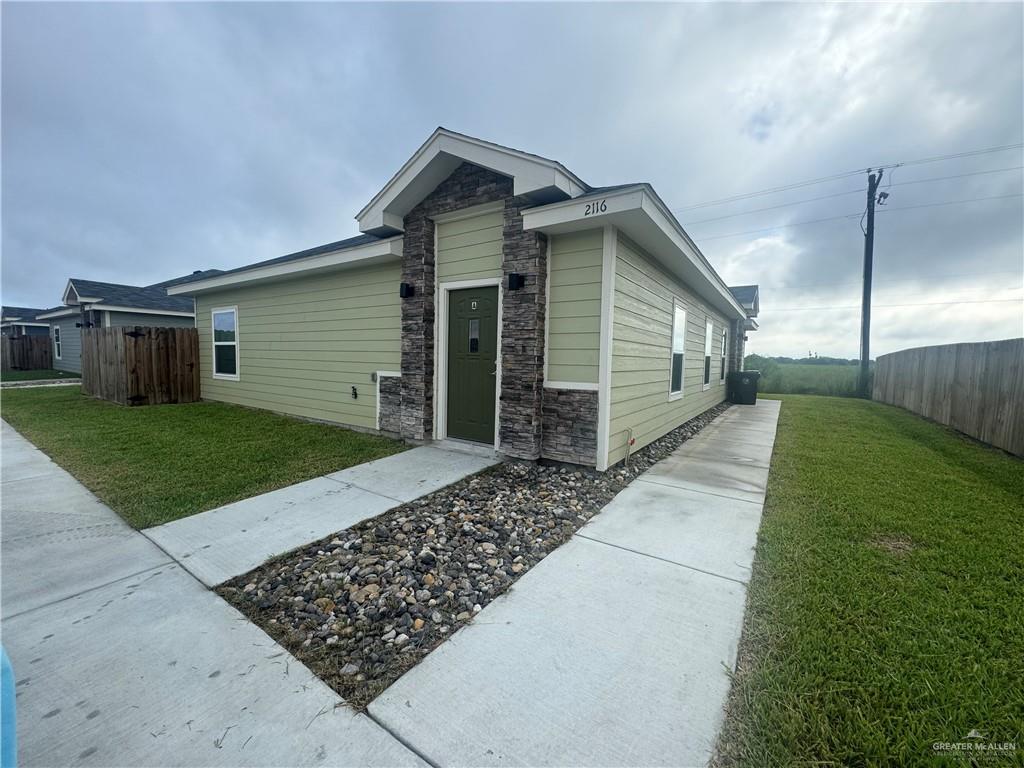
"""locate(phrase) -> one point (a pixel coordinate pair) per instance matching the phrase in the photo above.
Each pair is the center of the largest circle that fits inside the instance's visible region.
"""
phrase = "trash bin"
(742, 387)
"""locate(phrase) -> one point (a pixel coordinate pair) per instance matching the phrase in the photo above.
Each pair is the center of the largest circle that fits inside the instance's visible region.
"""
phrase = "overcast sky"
(145, 141)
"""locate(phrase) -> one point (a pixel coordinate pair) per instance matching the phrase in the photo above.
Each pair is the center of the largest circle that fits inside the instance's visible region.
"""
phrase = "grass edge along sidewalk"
(157, 463)
(884, 615)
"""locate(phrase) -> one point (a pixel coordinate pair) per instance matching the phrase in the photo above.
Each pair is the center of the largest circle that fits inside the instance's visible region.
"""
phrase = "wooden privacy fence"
(25, 353)
(975, 388)
(141, 366)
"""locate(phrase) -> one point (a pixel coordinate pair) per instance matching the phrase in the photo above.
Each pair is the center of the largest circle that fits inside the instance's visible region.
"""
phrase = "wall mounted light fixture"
(516, 281)
(406, 290)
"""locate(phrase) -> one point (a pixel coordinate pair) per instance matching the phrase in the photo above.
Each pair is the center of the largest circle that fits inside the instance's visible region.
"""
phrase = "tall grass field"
(837, 379)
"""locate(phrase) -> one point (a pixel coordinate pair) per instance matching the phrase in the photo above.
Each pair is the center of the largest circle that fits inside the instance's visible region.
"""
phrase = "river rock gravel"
(361, 607)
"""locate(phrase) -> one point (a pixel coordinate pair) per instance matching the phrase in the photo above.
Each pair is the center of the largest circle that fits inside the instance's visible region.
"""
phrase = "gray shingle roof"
(199, 274)
(338, 245)
(25, 314)
(118, 295)
(745, 294)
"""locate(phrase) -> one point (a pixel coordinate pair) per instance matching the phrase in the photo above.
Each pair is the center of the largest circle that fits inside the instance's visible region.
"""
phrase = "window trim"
(725, 354)
(677, 394)
(58, 344)
(709, 332)
(214, 344)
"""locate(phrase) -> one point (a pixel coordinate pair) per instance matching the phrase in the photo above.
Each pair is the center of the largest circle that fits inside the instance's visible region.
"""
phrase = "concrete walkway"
(123, 659)
(615, 649)
(216, 545)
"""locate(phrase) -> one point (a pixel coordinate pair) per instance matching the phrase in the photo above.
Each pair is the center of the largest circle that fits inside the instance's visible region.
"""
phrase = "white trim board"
(640, 214)
(359, 255)
(441, 353)
(609, 254)
(584, 386)
(139, 310)
(442, 153)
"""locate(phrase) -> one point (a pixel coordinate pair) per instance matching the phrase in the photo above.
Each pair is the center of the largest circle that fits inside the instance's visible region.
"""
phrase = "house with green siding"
(494, 298)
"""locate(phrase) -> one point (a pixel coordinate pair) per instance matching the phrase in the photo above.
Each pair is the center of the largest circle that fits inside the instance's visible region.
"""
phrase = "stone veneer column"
(520, 427)
(736, 345)
(468, 185)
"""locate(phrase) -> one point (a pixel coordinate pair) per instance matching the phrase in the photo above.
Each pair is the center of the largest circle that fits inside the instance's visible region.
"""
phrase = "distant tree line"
(753, 361)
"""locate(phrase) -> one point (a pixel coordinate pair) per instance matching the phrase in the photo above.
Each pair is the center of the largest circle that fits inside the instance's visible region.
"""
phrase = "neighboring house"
(493, 297)
(747, 296)
(91, 304)
(21, 321)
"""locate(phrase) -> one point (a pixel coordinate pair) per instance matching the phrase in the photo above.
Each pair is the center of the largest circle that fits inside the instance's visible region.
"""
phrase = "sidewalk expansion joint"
(404, 742)
(643, 479)
(662, 559)
(171, 562)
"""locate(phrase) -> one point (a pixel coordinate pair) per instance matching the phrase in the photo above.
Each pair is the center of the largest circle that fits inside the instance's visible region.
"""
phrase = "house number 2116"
(596, 207)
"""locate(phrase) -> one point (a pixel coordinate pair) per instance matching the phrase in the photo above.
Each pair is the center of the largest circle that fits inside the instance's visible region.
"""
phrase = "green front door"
(472, 363)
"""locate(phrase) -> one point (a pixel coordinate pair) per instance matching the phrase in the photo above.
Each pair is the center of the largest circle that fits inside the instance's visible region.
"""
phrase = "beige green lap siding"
(641, 352)
(469, 248)
(305, 343)
(574, 308)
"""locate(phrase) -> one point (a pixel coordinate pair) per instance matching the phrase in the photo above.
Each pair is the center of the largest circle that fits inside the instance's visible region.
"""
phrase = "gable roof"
(99, 295)
(24, 314)
(560, 199)
(539, 178)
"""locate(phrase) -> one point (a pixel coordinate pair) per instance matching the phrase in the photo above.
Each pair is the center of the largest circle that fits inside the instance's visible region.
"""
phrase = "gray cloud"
(143, 141)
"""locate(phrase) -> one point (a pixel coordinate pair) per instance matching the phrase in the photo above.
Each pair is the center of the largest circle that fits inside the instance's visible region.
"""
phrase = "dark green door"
(472, 363)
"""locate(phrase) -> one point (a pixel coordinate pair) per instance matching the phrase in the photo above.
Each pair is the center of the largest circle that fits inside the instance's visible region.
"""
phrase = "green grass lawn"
(886, 608)
(157, 463)
(34, 375)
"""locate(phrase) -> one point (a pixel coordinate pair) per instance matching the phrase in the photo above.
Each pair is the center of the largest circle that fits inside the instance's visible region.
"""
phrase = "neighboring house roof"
(24, 314)
(199, 274)
(747, 296)
(562, 202)
(99, 295)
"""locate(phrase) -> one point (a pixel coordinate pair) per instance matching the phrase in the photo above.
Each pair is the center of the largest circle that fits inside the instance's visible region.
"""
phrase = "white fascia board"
(139, 310)
(643, 217)
(58, 313)
(15, 321)
(64, 296)
(441, 154)
(382, 250)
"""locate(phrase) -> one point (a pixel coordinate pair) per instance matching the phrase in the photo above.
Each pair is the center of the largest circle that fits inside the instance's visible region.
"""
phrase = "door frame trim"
(441, 352)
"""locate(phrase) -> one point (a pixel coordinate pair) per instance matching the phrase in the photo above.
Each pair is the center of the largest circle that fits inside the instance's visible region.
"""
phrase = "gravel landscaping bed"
(363, 606)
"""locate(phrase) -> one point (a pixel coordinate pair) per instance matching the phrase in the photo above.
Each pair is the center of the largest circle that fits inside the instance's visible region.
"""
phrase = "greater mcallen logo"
(977, 745)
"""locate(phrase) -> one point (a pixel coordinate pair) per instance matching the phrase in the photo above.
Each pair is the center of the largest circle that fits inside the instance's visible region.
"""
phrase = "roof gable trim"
(441, 154)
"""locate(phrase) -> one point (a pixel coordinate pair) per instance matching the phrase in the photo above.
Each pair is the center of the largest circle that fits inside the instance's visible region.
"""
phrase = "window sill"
(705, 388)
(673, 396)
(225, 377)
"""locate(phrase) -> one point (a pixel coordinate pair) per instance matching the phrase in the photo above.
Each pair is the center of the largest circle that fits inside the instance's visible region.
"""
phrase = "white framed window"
(678, 355)
(56, 342)
(709, 330)
(224, 326)
(725, 347)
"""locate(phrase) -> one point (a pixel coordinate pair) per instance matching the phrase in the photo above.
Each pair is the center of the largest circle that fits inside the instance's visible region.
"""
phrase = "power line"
(834, 177)
(904, 280)
(951, 202)
(858, 191)
(855, 215)
(919, 304)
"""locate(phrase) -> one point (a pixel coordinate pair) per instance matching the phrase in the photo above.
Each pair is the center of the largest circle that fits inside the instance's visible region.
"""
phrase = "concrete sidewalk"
(121, 658)
(615, 649)
(217, 545)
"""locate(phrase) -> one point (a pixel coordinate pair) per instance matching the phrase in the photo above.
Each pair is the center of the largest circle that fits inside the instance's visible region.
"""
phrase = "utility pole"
(874, 179)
